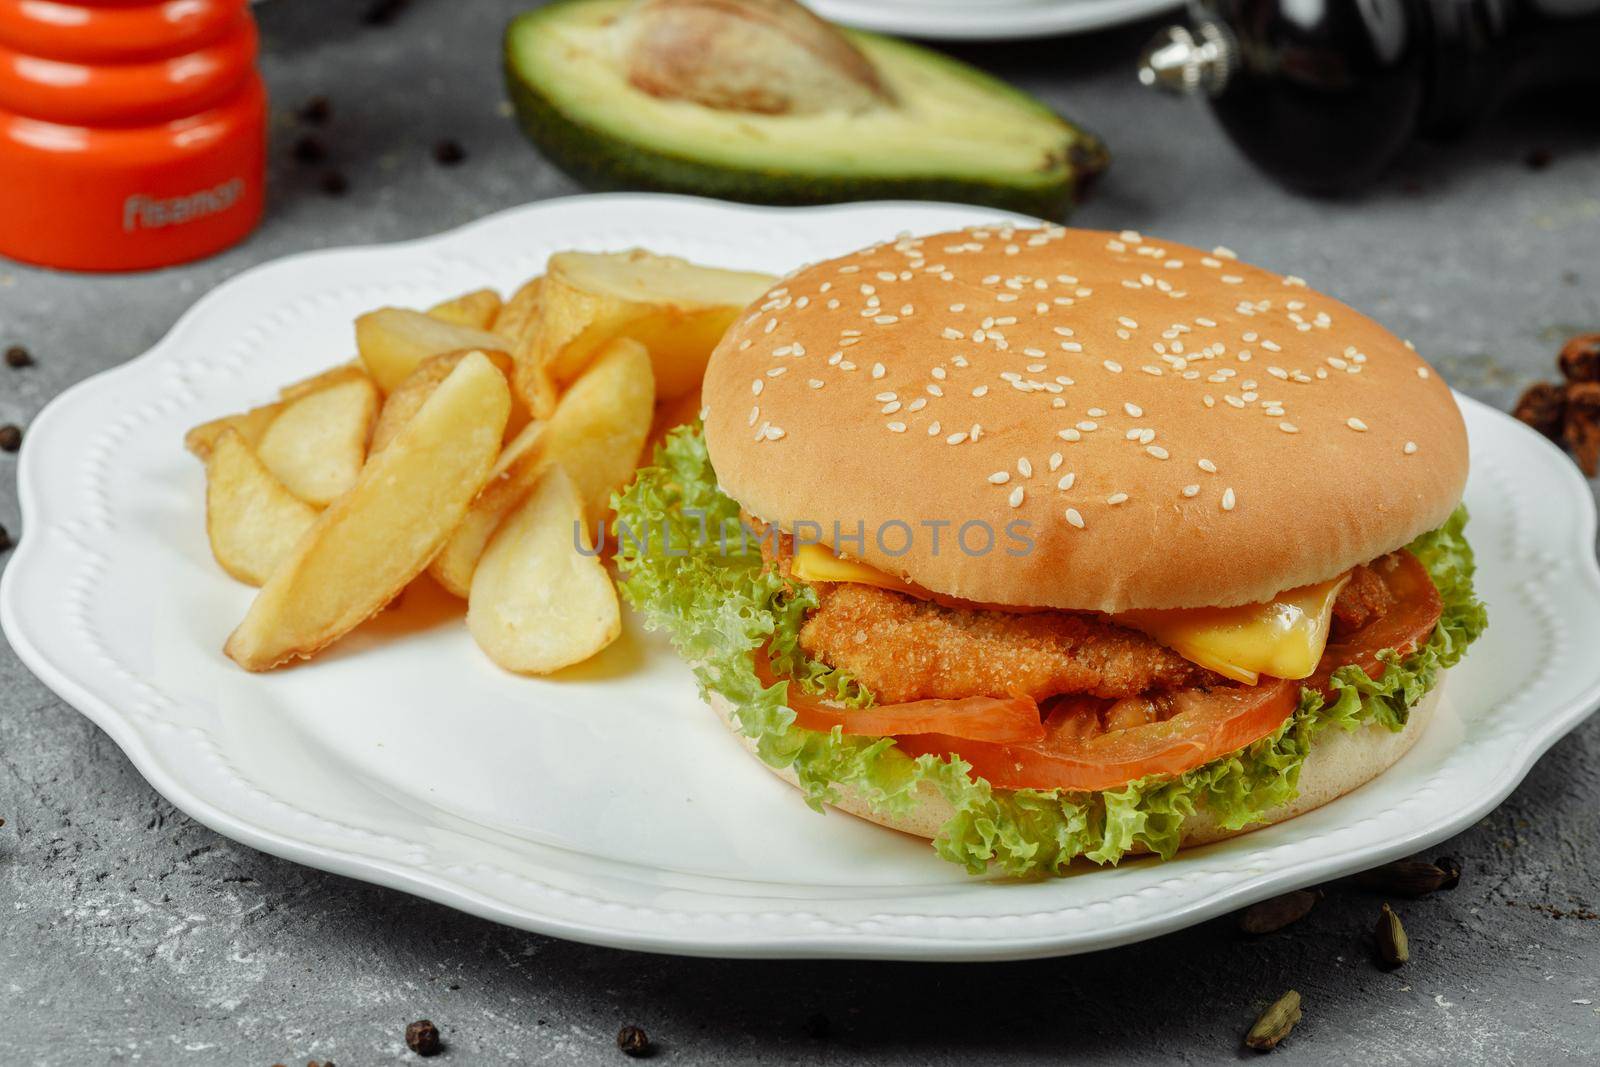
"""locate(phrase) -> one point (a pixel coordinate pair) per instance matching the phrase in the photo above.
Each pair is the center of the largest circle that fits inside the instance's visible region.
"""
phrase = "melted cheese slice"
(814, 563)
(1283, 638)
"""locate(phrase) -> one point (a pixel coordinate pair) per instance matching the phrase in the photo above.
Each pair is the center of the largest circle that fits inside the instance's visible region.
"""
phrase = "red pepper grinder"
(132, 132)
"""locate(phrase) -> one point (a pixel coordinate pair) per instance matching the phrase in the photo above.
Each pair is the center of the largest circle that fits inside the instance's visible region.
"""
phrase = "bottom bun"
(1339, 763)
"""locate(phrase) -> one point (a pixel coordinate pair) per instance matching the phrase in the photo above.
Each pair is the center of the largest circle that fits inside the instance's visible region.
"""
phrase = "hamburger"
(1050, 544)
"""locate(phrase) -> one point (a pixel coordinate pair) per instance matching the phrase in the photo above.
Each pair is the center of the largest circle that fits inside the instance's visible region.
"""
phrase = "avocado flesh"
(954, 133)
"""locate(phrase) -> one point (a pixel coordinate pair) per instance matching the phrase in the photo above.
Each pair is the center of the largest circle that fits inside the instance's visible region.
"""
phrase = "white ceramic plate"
(610, 805)
(987, 20)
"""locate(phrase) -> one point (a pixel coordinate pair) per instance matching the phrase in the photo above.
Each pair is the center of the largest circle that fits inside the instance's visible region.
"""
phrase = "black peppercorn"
(334, 183)
(316, 110)
(633, 1041)
(10, 438)
(422, 1037)
(449, 153)
(310, 149)
(17, 356)
(383, 12)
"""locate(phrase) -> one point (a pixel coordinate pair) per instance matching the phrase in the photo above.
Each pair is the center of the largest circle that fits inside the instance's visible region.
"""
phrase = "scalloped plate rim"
(438, 886)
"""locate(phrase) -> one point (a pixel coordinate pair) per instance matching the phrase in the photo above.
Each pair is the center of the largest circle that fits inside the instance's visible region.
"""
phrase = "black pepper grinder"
(1324, 94)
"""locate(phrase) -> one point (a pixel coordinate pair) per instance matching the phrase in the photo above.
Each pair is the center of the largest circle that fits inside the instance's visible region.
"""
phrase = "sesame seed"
(1071, 346)
(1422, 372)
(885, 396)
(1156, 451)
(1207, 466)
(1097, 413)
(774, 433)
(1228, 499)
(1015, 499)
(1134, 410)
(1116, 498)
(938, 372)
(897, 427)
(1073, 518)
(1024, 467)
(1410, 449)
(1288, 427)
(885, 320)
(815, 383)
(999, 477)
(956, 438)
(1191, 490)
(890, 408)
(918, 404)
(934, 390)
(1069, 434)
(981, 390)
(1088, 426)
(1055, 460)
(756, 386)
(1129, 323)
(934, 428)
(1066, 481)
(877, 370)
(1113, 366)
(1355, 424)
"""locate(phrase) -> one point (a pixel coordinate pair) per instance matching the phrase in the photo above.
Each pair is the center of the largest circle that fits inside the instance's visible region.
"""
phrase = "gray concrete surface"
(130, 934)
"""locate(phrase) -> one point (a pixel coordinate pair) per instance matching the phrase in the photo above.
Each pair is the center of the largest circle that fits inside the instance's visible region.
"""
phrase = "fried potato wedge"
(476, 309)
(596, 434)
(344, 372)
(598, 431)
(515, 473)
(520, 315)
(408, 397)
(250, 425)
(676, 309)
(541, 599)
(253, 522)
(317, 444)
(394, 341)
(365, 548)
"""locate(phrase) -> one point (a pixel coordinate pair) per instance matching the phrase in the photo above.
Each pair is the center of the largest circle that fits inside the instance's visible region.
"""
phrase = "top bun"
(1168, 427)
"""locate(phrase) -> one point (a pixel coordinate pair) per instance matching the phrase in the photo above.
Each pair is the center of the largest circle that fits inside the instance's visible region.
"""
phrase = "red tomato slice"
(1075, 755)
(1407, 625)
(973, 719)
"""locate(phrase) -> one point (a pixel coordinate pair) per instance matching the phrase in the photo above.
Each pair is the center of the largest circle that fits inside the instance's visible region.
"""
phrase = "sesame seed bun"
(1338, 763)
(1174, 428)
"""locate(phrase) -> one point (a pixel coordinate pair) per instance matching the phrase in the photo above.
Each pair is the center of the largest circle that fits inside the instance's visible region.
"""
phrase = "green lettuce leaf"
(695, 572)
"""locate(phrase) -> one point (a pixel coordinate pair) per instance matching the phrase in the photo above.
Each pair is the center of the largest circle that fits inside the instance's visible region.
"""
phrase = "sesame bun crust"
(1338, 763)
(1223, 433)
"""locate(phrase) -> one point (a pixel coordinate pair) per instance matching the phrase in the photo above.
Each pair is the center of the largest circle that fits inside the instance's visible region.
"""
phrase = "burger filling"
(1052, 734)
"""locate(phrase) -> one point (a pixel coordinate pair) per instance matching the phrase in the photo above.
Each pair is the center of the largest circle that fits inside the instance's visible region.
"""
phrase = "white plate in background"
(987, 20)
(610, 805)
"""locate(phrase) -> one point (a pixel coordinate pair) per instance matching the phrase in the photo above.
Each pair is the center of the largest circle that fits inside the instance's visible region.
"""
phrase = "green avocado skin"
(602, 161)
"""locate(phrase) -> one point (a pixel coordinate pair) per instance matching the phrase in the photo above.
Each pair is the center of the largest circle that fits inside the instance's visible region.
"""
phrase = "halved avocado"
(950, 132)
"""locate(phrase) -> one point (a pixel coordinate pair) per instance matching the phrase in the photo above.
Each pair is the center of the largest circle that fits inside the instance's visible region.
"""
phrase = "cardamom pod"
(1278, 912)
(1405, 878)
(1275, 1023)
(1452, 871)
(1393, 947)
